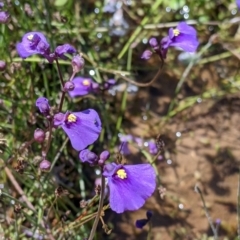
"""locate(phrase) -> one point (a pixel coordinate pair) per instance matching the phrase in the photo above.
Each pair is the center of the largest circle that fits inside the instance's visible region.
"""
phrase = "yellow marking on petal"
(121, 174)
(30, 37)
(71, 118)
(176, 32)
(86, 82)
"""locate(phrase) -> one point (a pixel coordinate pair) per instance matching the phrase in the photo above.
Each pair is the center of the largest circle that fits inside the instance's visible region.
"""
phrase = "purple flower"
(184, 37)
(87, 156)
(130, 185)
(142, 222)
(34, 43)
(63, 49)
(4, 16)
(82, 86)
(43, 106)
(83, 128)
(146, 54)
(238, 3)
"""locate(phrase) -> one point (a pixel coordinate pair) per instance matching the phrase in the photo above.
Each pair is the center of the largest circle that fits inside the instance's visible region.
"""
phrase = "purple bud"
(61, 50)
(43, 106)
(4, 17)
(153, 42)
(105, 155)
(45, 165)
(1, 4)
(2, 65)
(218, 221)
(109, 83)
(58, 119)
(95, 86)
(146, 54)
(149, 214)
(77, 63)
(68, 86)
(88, 156)
(141, 223)
(39, 135)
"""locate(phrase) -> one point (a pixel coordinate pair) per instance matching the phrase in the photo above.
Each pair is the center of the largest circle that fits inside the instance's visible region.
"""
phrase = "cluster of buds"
(90, 157)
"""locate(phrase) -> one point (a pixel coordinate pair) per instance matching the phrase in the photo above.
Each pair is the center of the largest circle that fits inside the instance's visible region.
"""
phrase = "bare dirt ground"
(206, 154)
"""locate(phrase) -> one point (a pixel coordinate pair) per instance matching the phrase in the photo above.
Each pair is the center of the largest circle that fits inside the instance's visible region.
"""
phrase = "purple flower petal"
(130, 185)
(63, 49)
(238, 3)
(83, 128)
(33, 43)
(82, 86)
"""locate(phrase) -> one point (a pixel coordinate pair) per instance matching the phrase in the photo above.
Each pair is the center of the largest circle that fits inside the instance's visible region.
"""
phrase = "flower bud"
(88, 156)
(109, 83)
(77, 63)
(153, 42)
(2, 65)
(68, 86)
(39, 135)
(105, 155)
(146, 54)
(45, 165)
(43, 106)
(4, 17)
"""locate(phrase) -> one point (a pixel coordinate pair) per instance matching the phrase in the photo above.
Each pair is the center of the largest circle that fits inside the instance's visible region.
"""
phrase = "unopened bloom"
(43, 105)
(45, 165)
(142, 222)
(82, 86)
(83, 128)
(104, 156)
(130, 185)
(146, 54)
(183, 36)
(61, 50)
(77, 63)
(4, 16)
(2, 65)
(87, 156)
(152, 147)
(39, 135)
(68, 86)
(34, 43)
(124, 139)
(153, 43)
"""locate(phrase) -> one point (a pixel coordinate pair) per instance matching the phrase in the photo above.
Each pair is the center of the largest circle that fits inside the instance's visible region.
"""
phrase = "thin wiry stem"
(99, 209)
(59, 73)
(238, 205)
(215, 234)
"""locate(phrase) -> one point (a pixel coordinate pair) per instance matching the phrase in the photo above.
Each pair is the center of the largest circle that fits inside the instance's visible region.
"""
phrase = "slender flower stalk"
(99, 208)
